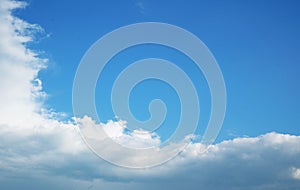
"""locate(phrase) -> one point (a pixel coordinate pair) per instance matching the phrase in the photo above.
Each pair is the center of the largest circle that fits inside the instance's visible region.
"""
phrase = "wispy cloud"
(141, 6)
(295, 173)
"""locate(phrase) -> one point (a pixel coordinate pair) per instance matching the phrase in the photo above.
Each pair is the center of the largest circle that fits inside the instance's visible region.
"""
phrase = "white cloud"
(134, 139)
(38, 151)
(18, 69)
(296, 173)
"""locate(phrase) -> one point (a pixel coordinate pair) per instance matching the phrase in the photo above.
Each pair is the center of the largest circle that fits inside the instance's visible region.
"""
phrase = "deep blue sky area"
(256, 44)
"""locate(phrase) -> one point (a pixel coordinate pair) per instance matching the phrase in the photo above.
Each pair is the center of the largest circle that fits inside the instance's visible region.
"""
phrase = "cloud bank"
(41, 152)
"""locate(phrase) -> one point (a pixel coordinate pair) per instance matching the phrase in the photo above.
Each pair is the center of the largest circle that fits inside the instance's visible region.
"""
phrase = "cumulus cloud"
(135, 139)
(18, 69)
(27, 132)
(38, 151)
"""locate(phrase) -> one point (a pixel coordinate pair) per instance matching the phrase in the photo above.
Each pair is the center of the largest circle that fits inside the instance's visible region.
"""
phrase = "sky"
(255, 43)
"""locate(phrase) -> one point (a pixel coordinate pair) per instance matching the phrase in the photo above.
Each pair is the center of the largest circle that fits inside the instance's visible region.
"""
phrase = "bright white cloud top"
(39, 151)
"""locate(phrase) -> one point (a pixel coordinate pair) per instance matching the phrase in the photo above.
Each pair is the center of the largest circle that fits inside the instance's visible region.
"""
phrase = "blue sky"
(256, 44)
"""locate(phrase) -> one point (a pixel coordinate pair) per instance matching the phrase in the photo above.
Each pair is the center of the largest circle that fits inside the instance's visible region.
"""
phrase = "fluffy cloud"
(37, 151)
(27, 133)
(135, 139)
(18, 69)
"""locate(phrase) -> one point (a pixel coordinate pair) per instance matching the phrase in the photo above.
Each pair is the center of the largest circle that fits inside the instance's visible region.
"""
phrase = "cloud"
(295, 173)
(38, 151)
(135, 139)
(140, 6)
(18, 69)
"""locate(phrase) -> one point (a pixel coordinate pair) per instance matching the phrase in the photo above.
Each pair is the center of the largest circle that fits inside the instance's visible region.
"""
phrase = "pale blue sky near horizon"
(254, 42)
